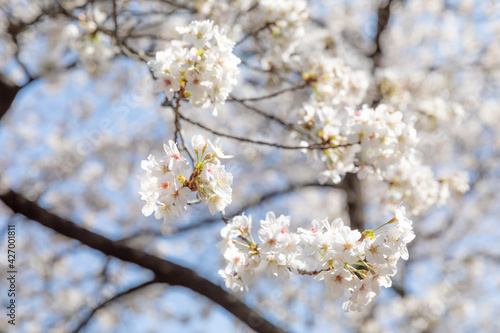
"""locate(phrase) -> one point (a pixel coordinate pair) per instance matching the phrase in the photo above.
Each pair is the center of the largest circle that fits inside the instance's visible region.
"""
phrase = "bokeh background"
(78, 114)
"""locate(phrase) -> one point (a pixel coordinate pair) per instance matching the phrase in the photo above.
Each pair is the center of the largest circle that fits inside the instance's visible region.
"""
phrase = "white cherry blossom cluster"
(166, 184)
(379, 142)
(384, 136)
(95, 48)
(364, 140)
(457, 183)
(396, 88)
(392, 86)
(416, 185)
(286, 20)
(351, 263)
(222, 12)
(331, 81)
(436, 112)
(200, 67)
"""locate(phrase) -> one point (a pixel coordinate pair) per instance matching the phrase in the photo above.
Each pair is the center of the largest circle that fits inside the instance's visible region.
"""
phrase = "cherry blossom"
(166, 185)
(348, 261)
(200, 67)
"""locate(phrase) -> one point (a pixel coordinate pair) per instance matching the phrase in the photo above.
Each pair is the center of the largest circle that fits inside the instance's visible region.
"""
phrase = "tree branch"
(353, 185)
(283, 123)
(164, 270)
(355, 203)
(383, 16)
(258, 142)
(9, 92)
(271, 95)
(255, 33)
(258, 201)
(110, 300)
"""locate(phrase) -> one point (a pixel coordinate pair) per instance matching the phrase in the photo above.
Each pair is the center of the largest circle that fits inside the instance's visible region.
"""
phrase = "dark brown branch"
(165, 271)
(17, 27)
(178, 5)
(383, 16)
(355, 203)
(115, 22)
(177, 123)
(9, 89)
(9, 92)
(110, 300)
(399, 290)
(353, 185)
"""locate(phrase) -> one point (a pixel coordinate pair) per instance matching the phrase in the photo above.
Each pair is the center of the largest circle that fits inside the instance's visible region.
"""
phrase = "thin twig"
(277, 93)
(258, 142)
(112, 299)
(177, 5)
(115, 21)
(194, 202)
(178, 130)
(224, 217)
(283, 123)
(185, 148)
(257, 202)
(177, 114)
(316, 272)
(236, 18)
(254, 33)
(251, 204)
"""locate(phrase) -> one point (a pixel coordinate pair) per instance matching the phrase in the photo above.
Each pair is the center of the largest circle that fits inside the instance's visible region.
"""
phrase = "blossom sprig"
(285, 22)
(167, 184)
(200, 67)
(363, 140)
(94, 47)
(380, 142)
(332, 82)
(351, 263)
